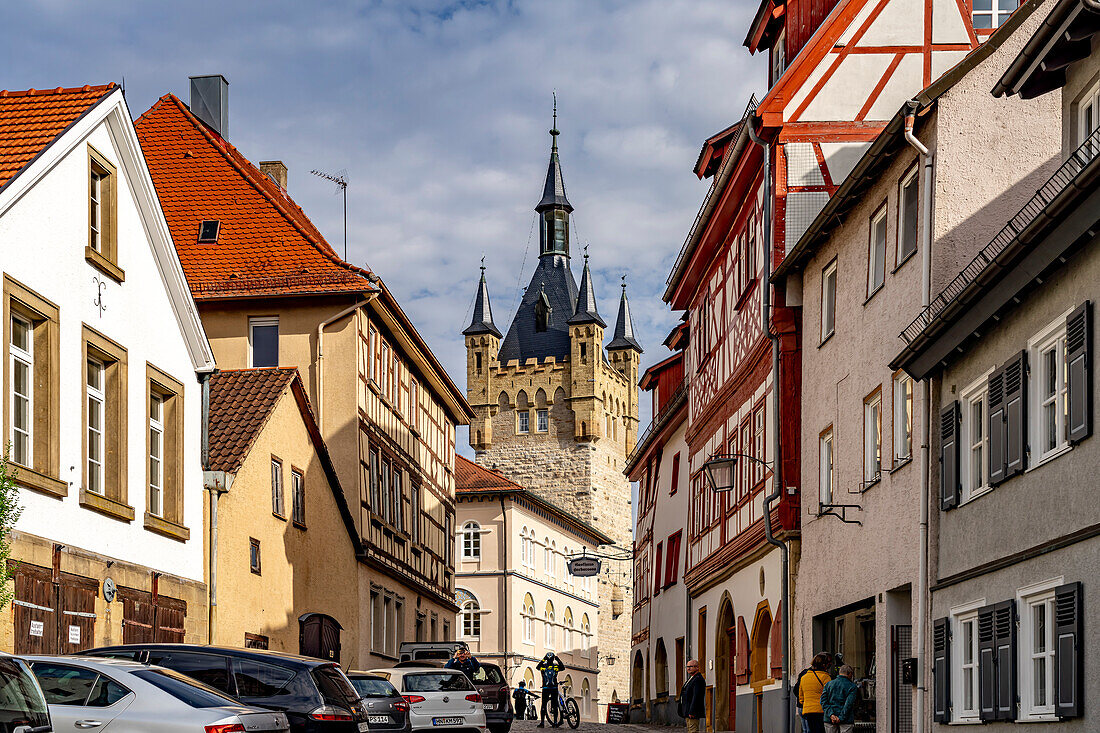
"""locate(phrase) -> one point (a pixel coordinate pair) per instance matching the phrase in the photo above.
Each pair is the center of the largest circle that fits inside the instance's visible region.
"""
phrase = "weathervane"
(554, 130)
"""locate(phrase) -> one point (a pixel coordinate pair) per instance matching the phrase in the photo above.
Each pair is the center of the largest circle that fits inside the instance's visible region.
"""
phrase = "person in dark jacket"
(838, 700)
(693, 706)
(519, 699)
(549, 666)
(464, 662)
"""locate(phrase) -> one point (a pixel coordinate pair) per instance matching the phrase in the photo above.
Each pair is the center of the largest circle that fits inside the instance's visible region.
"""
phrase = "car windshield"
(373, 687)
(488, 674)
(437, 682)
(21, 701)
(185, 689)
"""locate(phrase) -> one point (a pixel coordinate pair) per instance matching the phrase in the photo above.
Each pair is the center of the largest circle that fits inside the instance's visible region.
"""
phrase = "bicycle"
(564, 707)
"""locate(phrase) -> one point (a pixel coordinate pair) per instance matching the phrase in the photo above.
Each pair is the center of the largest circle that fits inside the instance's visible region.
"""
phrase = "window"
(263, 342)
(97, 399)
(1036, 645)
(658, 567)
(414, 512)
(548, 624)
(102, 249)
(990, 14)
(542, 423)
(1048, 391)
(779, 56)
(523, 424)
(164, 511)
(1088, 115)
(964, 657)
(672, 559)
(32, 406)
(876, 259)
(528, 619)
(254, 555)
(398, 481)
(297, 498)
(414, 403)
(470, 619)
(277, 487)
(903, 417)
(105, 426)
(908, 214)
(256, 641)
(828, 300)
(675, 473)
(551, 559)
(208, 231)
(375, 468)
(471, 541)
(872, 438)
(758, 445)
(825, 466)
(156, 455)
(384, 489)
(973, 440)
(702, 328)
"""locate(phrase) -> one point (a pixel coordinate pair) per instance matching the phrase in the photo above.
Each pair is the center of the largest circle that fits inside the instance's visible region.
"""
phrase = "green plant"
(10, 510)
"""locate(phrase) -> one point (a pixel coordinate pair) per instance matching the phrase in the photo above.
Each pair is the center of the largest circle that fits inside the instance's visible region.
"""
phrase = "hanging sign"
(36, 628)
(584, 567)
(74, 634)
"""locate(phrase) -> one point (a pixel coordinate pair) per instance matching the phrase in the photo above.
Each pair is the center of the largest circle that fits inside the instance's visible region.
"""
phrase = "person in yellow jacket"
(810, 684)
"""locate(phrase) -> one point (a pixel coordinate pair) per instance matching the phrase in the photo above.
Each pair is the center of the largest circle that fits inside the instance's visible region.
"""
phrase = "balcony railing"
(658, 422)
(1062, 179)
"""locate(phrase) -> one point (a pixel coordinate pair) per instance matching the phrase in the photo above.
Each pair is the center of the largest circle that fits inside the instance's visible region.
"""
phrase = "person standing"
(692, 706)
(549, 666)
(464, 662)
(809, 687)
(519, 698)
(838, 701)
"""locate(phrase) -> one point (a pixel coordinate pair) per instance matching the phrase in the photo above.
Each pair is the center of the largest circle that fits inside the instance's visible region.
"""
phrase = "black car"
(315, 695)
(386, 709)
(496, 696)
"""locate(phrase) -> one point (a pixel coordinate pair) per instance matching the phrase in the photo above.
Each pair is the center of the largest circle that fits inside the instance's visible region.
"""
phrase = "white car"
(439, 699)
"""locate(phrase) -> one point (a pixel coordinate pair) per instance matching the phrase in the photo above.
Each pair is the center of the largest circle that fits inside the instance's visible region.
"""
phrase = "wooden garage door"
(52, 616)
(146, 619)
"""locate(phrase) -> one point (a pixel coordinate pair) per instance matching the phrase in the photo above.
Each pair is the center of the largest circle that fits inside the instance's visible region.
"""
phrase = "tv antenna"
(341, 181)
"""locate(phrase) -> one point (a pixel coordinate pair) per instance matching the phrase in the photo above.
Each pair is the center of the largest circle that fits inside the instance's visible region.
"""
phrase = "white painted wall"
(43, 232)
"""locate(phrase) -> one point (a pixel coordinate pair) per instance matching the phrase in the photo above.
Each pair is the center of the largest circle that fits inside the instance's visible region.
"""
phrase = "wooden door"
(731, 639)
(35, 606)
(168, 616)
(77, 618)
(137, 616)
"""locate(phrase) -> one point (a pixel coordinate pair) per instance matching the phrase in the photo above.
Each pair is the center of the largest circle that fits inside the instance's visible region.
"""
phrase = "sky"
(438, 115)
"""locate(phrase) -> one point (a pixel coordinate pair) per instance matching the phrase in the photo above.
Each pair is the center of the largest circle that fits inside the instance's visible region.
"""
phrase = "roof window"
(208, 231)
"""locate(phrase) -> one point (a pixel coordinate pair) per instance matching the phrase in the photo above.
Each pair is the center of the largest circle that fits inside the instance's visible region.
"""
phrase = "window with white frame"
(21, 349)
(908, 215)
(471, 541)
(523, 421)
(828, 300)
(989, 14)
(156, 455)
(1088, 114)
(903, 417)
(548, 623)
(872, 437)
(1036, 645)
(528, 619)
(95, 427)
(825, 467)
(964, 662)
(470, 619)
(552, 560)
(973, 439)
(542, 421)
(263, 341)
(876, 260)
(1047, 388)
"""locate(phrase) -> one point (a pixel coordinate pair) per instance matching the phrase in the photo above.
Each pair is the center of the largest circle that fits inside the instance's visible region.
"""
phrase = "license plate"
(447, 721)
(488, 705)
(363, 727)
(382, 719)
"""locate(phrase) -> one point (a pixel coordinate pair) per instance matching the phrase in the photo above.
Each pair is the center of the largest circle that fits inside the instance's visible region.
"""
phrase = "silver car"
(92, 693)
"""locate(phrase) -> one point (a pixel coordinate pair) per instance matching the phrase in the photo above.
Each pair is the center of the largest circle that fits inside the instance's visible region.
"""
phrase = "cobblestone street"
(530, 726)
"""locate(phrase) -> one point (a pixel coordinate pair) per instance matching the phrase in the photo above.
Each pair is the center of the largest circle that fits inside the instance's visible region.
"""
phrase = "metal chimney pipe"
(210, 102)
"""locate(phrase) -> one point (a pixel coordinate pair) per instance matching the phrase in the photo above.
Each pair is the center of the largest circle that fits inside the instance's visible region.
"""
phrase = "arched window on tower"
(555, 224)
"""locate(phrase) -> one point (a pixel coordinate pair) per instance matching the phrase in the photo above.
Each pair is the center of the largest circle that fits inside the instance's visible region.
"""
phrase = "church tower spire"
(586, 299)
(482, 320)
(624, 327)
(554, 208)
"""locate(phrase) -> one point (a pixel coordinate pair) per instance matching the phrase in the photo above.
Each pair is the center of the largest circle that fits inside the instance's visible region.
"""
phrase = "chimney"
(210, 102)
(275, 170)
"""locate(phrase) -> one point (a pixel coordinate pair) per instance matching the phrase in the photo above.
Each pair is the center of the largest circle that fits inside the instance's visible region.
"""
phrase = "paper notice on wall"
(74, 634)
(36, 628)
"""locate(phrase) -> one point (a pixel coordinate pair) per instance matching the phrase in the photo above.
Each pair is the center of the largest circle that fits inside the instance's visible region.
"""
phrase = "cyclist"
(550, 666)
(520, 696)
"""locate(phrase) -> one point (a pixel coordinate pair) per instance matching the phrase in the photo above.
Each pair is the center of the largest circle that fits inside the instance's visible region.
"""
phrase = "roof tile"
(240, 402)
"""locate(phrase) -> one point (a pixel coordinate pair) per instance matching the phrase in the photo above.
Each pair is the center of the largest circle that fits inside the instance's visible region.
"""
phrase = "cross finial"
(554, 129)
(482, 264)
(586, 252)
(624, 284)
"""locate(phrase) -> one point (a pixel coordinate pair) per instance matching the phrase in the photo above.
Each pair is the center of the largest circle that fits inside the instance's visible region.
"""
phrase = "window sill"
(1039, 719)
(873, 293)
(299, 525)
(32, 479)
(975, 495)
(900, 463)
(827, 337)
(166, 527)
(1050, 457)
(278, 516)
(106, 505)
(966, 721)
(745, 294)
(104, 265)
(902, 261)
(872, 483)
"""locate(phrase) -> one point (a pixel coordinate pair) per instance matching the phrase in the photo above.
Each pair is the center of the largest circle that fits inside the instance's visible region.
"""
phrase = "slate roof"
(241, 400)
(31, 120)
(522, 341)
(482, 320)
(553, 191)
(624, 328)
(267, 246)
(586, 312)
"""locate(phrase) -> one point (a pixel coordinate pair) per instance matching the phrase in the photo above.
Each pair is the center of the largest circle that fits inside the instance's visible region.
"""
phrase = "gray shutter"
(1015, 405)
(1069, 668)
(1004, 652)
(941, 669)
(949, 456)
(987, 670)
(1079, 373)
(995, 427)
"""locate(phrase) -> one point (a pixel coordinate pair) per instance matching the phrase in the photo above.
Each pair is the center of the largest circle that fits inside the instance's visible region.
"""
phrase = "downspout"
(777, 474)
(504, 580)
(212, 555)
(321, 354)
(926, 406)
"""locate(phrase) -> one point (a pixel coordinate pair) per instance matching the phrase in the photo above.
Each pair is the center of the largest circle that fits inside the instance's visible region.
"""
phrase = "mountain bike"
(564, 707)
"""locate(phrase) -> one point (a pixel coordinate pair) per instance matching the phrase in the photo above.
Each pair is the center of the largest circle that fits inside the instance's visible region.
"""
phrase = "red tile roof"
(32, 119)
(241, 400)
(469, 476)
(266, 246)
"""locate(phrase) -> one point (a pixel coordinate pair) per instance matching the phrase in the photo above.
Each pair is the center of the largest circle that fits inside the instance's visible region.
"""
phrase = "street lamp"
(721, 470)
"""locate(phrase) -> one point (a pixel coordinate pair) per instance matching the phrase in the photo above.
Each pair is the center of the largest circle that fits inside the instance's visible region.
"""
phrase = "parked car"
(386, 709)
(429, 651)
(315, 694)
(22, 705)
(496, 697)
(88, 692)
(439, 699)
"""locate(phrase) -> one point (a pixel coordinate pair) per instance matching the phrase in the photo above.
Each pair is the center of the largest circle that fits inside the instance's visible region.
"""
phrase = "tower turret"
(482, 344)
(554, 208)
(586, 329)
(624, 351)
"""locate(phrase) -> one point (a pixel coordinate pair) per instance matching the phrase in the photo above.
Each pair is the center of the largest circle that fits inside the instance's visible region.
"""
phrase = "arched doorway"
(319, 636)
(725, 681)
(660, 668)
(637, 679)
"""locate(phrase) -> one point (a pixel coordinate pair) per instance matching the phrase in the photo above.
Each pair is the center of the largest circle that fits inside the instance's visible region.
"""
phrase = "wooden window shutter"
(741, 663)
(949, 456)
(1015, 406)
(1068, 661)
(995, 427)
(657, 569)
(775, 644)
(941, 669)
(987, 669)
(1079, 373)
(1004, 651)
